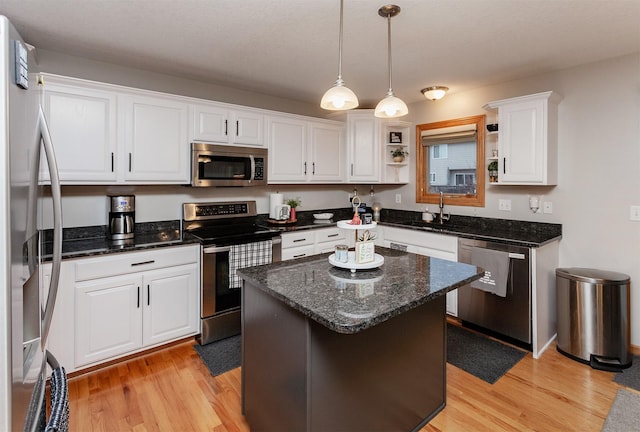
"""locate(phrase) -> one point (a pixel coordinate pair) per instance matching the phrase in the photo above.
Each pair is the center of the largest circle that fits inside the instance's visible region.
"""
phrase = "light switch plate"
(634, 213)
(547, 207)
(398, 198)
(504, 204)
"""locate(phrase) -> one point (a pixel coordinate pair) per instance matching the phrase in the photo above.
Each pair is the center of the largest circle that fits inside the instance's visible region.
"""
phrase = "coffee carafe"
(122, 216)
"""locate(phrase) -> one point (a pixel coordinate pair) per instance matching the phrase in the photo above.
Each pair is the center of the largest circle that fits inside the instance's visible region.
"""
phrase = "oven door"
(217, 295)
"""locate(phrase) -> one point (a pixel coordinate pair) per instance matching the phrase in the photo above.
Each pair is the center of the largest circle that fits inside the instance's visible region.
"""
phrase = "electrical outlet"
(398, 198)
(634, 213)
(504, 204)
(547, 207)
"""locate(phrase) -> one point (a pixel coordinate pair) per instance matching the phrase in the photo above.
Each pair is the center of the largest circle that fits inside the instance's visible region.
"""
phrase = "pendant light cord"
(389, 49)
(340, 43)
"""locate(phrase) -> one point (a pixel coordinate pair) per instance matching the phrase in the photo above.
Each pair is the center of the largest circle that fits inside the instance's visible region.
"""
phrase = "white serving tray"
(352, 265)
(346, 225)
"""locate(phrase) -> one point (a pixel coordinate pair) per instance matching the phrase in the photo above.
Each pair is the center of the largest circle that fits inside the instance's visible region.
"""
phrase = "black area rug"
(480, 356)
(630, 377)
(221, 356)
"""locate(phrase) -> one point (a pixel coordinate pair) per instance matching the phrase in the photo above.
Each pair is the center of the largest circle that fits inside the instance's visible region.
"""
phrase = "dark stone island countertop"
(521, 233)
(348, 302)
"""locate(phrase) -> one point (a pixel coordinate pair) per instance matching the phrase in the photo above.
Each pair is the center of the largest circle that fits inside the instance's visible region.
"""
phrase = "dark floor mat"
(221, 356)
(480, 356)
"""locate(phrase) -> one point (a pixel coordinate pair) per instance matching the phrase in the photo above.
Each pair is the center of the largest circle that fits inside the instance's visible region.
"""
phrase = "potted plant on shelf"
(493, 171)
(398, 154)
(293, 203)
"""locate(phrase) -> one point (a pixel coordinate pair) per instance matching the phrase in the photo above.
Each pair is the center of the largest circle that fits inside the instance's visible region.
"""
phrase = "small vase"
(292, 214)
(398, 159)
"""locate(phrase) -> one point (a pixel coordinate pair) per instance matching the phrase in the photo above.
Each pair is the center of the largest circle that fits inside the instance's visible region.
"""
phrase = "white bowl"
(322, 216)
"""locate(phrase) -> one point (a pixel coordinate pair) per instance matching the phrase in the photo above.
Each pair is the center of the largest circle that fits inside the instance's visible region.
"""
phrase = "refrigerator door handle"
(43, 135)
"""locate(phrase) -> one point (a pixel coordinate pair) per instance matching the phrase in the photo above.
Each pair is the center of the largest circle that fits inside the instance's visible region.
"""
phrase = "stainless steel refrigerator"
(26, 306)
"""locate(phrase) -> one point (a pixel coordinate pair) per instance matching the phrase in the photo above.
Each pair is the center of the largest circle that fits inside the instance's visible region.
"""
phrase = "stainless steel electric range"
(231, 238)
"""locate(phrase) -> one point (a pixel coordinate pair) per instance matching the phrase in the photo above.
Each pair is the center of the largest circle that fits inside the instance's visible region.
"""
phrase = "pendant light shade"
(339, 97)
(391, 106)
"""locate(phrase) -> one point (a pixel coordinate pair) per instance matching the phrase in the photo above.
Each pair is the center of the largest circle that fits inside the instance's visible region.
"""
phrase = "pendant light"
(339, 97)
(391, 106)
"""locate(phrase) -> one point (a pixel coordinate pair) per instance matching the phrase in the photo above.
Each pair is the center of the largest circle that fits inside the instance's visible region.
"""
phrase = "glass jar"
(342, 253)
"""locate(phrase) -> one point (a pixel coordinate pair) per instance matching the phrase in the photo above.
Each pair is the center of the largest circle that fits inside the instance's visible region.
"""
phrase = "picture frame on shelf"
(395, 137)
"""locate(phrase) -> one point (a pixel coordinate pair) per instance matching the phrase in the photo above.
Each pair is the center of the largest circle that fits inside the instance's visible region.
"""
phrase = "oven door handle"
(216, 249)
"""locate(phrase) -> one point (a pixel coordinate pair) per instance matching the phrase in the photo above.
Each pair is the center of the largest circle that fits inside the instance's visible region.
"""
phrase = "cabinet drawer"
(329, 235)
(297, 239)
(298, 252)
(133, 262)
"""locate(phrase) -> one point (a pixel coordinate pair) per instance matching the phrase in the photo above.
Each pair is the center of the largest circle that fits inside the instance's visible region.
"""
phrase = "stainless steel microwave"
(223, 165)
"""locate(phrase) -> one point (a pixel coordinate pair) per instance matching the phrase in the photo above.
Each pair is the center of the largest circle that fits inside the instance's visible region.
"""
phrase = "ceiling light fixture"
(434, 92)
(391, 106)
(339, 97)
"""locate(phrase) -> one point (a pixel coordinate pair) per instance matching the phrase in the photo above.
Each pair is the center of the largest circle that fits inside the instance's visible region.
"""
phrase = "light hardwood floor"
(172, 390)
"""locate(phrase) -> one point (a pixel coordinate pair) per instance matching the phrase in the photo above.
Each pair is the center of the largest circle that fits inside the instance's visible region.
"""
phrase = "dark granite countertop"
(521, 233)
(348, 302)
(94, 240)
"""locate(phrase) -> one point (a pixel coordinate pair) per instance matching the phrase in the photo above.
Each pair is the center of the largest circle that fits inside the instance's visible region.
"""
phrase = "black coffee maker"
(122, 217)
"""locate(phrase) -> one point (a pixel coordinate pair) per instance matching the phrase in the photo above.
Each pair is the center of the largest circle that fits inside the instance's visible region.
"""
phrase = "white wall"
(599, 162)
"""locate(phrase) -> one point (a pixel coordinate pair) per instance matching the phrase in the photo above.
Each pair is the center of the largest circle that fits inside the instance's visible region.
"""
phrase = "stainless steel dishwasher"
(509, 316)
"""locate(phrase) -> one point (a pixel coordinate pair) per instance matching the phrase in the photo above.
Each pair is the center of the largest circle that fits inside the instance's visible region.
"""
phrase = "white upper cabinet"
(218, 123)
(527, 139)
(82, 122)
(287, 150)
(302, 151)
(155, 139)
(106, 134)
(327, 153)
(363, 146)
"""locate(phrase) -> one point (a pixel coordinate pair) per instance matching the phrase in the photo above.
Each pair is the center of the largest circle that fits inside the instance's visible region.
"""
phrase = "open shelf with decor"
(396, 135)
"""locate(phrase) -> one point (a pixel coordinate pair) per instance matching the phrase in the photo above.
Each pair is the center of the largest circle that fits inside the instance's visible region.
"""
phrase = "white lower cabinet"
(108, 318)
(423, 243)
(311, 242)
(119, 304)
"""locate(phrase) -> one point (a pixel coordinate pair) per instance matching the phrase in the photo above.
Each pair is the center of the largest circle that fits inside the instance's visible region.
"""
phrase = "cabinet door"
(209, 123)
(287, 150)
(327, 153)
(61, 340)
(170, 304)
(82, 122)
(219, 124)
(108, 318)
(521, 140)
(364, 147)
(248, 128)
(156, 140)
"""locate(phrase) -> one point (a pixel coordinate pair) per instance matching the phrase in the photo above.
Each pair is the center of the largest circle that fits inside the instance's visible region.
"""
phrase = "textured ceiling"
(290, 47)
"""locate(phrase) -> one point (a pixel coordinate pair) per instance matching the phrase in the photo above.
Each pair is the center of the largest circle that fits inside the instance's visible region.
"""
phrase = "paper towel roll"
(275, 200)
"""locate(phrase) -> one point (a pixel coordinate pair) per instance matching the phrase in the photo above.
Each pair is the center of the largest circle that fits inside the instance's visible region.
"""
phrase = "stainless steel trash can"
(594, 325)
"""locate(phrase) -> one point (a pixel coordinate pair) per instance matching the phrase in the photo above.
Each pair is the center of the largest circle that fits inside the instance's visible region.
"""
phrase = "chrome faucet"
(443, 217)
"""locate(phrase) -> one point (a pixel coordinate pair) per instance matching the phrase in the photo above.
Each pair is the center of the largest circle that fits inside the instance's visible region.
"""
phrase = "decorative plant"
(294, 202)
(493, 171)
(399, 152)
(366, 236)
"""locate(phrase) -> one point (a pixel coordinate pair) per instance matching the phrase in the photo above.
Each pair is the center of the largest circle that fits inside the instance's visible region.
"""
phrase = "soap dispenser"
(427, 216)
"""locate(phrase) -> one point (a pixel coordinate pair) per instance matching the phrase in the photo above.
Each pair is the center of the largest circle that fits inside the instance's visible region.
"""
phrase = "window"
(439, 151)
(450, 159)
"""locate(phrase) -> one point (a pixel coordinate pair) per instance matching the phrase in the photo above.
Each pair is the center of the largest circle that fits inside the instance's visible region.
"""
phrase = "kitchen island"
(324, 349)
